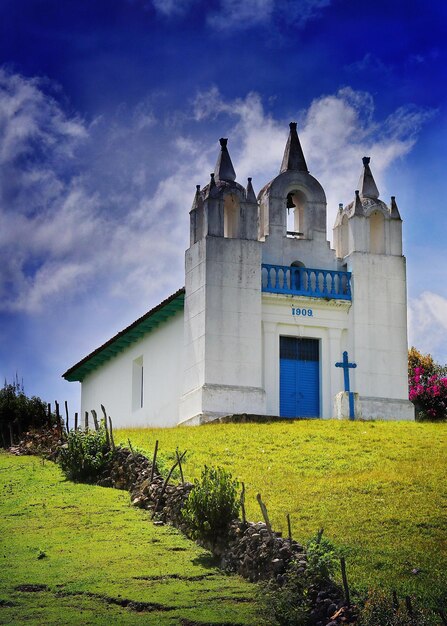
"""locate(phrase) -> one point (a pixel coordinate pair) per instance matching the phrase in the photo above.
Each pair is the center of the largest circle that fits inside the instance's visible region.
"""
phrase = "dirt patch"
(28, 588)
(6, 603)
(125, 603)
(188, 622)
(175, 577)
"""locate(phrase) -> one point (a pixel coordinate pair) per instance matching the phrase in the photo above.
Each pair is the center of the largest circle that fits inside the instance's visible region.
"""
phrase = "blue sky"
(110, 112)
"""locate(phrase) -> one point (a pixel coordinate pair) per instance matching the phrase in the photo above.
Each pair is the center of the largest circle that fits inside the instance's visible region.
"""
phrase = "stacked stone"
(169, 502)
(250, 549)
(43, 442)
(329, 607)
(126, 470)
(132, 472)
(256, 554)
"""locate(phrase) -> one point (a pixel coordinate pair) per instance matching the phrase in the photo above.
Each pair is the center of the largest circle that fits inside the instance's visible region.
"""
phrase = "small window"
(137, 384)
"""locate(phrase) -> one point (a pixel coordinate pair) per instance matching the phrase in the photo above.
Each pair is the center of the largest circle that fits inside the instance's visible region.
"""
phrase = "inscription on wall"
(302, 312)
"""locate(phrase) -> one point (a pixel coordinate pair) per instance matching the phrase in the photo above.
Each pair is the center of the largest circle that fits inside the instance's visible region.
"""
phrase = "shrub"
(212, 504)
(427, 383)
(379, 610)
(290, 604)
(322, 559)
(85, 455)
(19, 411)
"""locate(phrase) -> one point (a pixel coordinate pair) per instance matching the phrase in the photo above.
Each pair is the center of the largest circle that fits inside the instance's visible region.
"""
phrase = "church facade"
(267, 311)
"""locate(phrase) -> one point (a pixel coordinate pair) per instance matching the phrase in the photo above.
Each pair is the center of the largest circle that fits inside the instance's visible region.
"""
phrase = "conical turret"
(224, 169)
(293, 158)
(251, 196)
(395, 215)
(367, 184)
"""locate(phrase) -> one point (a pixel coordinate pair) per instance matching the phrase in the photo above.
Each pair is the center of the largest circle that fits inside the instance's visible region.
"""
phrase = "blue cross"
(346, 367)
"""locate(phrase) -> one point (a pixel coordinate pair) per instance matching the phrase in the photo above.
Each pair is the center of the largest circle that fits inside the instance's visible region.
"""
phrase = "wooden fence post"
(180, 466)
(265, 514)
(109, 445)
(95, 418)
(76, 421)
(154, 460)
(109, 435)
(289, 527)
(112, 441)
(130, 447)
(86, 421)
(58, 418)
(244, 518)
(165, 484)
(66, 417)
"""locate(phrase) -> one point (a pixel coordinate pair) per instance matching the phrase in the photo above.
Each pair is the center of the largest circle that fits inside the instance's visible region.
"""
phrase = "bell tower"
(368, 243)
(293, 213)
(222, 319)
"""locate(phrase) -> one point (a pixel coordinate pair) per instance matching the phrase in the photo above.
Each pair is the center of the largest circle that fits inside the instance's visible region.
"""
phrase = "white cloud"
(335, 131)
(83, 208)
(170, 8)
(98, 212)
(241, 14)
(427, 318)
(298, 13)
(236, 15)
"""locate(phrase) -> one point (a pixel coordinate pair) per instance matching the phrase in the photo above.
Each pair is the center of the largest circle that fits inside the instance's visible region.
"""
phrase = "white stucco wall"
(328, 323)
(223, 342)
(112, 385)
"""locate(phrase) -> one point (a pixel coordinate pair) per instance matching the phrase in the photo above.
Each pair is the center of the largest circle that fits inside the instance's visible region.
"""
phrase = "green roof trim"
(122, 340)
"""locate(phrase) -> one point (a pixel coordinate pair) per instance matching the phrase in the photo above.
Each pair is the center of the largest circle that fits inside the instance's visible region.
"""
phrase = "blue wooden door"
(299, 377)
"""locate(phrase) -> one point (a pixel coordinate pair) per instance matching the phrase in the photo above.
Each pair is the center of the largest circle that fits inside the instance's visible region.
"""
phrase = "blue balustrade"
(306, 281)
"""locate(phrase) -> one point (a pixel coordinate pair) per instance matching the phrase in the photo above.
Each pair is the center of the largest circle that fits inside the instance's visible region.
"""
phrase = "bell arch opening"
(296, 214)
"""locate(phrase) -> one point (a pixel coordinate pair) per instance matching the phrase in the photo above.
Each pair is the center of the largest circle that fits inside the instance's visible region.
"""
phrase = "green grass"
(377, 488)
(97, 551)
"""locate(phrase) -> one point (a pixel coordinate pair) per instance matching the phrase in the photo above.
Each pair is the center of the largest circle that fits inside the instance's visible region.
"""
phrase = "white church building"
(268, 311)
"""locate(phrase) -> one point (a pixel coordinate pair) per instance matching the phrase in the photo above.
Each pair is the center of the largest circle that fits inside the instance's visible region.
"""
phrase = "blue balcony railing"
(305, 281)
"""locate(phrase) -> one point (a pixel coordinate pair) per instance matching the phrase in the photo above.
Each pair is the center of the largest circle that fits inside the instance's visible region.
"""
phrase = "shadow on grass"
(206, 560)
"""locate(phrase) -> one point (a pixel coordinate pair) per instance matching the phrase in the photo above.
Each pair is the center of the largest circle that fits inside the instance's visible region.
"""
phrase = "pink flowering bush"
(427, 384)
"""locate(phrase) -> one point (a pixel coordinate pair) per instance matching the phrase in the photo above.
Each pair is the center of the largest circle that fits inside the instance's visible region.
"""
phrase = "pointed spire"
(358, 207)
(195, 202)
(212, 187)
(394, 210)
(367, 184)
(293, 158)
(250, 193)
(224, 169)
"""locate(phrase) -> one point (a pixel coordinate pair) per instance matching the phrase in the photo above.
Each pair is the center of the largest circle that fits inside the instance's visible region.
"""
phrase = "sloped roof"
(143, 325)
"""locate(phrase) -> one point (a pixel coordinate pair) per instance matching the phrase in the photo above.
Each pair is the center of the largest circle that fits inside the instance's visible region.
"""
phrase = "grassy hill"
(77, 554)
(377, 488)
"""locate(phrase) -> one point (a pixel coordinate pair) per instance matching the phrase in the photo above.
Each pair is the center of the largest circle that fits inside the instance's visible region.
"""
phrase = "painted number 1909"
(303, 312)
